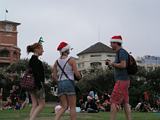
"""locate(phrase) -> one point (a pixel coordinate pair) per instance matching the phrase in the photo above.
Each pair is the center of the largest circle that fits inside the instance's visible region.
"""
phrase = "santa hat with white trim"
(63, 46)
(117, 39)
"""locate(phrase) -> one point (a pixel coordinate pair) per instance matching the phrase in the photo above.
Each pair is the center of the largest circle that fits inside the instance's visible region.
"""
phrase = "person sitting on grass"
(17, 106)
(158, 103)
(100, 106)
(8, 104)
(91, 106)
(25, 101)
(13, 96)
(138, 106)
(147, 107)
(106, 105)
(82, 104)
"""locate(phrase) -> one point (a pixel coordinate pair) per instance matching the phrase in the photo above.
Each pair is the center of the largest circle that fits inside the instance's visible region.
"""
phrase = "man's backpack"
(132, 67)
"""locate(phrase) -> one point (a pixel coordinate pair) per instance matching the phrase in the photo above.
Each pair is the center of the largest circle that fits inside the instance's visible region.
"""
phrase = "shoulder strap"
(118, 56)
(128, 58)
(62, 69)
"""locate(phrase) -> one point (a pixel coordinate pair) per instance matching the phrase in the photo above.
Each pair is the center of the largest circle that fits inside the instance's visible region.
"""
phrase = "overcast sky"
(84, 22)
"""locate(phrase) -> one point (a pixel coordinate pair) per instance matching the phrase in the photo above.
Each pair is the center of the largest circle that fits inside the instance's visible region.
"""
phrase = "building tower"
(9, 51)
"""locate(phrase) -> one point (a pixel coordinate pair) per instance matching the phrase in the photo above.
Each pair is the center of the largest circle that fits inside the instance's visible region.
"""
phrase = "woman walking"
(38, 94)
(64, 70)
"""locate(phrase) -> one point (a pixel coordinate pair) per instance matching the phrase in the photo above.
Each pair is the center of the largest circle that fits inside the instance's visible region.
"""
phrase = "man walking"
(120, 92)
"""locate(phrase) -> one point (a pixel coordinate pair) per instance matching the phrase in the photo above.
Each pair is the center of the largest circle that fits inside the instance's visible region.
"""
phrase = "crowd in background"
(91, 102)
(16, 100)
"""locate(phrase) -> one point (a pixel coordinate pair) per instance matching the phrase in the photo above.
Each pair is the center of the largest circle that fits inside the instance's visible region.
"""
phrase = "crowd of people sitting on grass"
(95, 103)
(91, 103)
(16, 100)
(144, 104)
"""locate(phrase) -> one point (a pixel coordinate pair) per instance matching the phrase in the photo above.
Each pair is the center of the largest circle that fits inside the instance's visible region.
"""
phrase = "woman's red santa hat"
(117, 39)
(63, 46)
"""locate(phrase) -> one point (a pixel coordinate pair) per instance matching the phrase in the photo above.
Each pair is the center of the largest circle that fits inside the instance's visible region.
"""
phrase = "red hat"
(63, 46)
(116, 39)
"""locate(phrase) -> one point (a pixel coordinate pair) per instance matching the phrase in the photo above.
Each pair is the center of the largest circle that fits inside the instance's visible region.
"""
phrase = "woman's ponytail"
(31, 48)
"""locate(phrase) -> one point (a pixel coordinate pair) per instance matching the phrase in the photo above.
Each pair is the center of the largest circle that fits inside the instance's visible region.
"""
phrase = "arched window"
(4, 53)
(15, 53)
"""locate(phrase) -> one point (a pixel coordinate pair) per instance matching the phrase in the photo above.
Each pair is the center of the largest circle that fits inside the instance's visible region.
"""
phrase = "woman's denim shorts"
(66, 87)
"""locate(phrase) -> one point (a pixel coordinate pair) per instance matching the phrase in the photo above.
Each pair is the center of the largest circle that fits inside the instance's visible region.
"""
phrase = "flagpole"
(6, 11)
(99, 35)
(5, 16)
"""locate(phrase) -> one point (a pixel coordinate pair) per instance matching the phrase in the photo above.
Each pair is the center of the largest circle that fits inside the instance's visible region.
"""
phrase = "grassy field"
(48, 115)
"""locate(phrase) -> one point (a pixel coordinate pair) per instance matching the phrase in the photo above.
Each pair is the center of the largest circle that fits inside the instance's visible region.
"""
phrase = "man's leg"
(113, 111)
(127, 110)
(115, 100)
(127, 107)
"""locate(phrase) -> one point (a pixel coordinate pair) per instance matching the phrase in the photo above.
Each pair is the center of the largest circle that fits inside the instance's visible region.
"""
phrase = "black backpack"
(132, 67)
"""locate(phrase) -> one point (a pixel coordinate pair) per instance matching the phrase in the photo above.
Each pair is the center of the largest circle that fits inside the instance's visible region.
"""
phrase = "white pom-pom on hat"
(117, 39)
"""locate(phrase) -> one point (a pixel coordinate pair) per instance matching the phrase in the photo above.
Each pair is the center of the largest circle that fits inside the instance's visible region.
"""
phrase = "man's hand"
(108, 62)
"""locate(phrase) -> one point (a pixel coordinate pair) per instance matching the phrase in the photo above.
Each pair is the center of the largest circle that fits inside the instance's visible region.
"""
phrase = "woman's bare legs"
(38, 109)
(64, 105)
(34, 103)
(72, 105)
(37, 106)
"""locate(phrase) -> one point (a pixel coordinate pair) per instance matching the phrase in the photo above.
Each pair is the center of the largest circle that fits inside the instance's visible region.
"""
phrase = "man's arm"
(123, 57)
(122, 64)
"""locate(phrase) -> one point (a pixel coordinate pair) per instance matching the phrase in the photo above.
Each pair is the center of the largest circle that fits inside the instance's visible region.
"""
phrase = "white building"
(149, 62)
(95, 57)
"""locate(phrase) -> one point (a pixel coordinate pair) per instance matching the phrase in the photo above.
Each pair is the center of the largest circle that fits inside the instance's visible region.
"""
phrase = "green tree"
(20, 66)
(144, 80)
(100, 80)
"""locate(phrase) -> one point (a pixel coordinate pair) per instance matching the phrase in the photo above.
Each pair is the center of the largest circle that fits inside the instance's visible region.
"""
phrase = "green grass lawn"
(48, 115)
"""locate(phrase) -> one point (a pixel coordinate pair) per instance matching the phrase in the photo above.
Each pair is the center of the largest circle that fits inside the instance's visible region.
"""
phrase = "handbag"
(27, 82)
